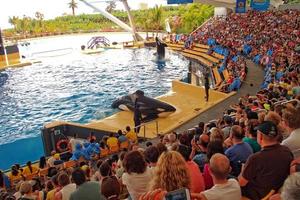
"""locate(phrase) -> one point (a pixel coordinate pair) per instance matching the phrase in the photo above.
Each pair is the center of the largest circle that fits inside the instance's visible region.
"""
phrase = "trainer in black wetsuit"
(206, 85)
(137, 118)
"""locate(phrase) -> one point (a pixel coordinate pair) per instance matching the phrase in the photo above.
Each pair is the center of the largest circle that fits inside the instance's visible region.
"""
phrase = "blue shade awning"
(179, 1)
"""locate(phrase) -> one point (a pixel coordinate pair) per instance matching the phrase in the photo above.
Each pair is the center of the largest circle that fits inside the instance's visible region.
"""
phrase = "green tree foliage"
(143, 22)
(292, 1)
(156, 17)
(14, 21)
(183, 19)
(193, 15)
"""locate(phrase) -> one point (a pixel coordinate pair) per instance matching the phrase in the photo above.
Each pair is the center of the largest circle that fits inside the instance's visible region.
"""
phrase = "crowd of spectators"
(270, 38)
(250, 151)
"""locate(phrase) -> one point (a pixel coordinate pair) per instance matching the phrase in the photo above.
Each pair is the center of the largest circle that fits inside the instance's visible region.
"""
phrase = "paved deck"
(255, 77)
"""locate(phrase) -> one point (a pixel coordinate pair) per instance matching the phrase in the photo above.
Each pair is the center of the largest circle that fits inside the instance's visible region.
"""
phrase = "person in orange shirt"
(15, 175)
(29, 169)
(197, 181)
(112, 141)
(51, 193)
(131, 135)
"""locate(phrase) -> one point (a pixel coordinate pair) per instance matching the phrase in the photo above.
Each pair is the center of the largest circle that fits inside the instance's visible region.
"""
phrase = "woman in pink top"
(197, 181)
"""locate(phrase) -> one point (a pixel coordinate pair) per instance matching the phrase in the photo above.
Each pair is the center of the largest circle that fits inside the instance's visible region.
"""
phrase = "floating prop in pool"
(98, 44)
(149, 107)
(160, 46)
(91, 51)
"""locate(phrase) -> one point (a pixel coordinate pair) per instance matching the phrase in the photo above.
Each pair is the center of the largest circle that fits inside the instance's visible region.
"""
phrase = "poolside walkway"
(255, 77)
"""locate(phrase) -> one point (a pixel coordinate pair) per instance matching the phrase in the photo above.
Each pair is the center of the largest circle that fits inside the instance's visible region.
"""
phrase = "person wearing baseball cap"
(268, 129)
(267, 169)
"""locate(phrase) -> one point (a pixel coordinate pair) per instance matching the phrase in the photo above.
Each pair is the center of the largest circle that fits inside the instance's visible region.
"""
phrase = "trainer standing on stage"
(137, 118)
(206, 85)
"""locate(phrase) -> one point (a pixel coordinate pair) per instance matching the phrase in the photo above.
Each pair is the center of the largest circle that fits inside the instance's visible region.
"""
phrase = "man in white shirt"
(51, 160)
(73, 141)
(225, 189)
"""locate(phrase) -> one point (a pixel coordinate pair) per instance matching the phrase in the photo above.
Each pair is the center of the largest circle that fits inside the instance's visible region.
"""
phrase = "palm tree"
(14, 21)
(111, 6)
(39, 16)
(73, 5)
(144, 22)
(156, 17)
(26, 25)
(176, 23)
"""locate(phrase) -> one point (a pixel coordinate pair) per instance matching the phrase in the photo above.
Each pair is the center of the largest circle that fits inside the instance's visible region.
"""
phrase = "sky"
(54, 8)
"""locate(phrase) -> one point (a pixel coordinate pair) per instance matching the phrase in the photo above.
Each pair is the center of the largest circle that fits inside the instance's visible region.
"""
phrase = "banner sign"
(179, 1)
(240, 6)
(260, 5)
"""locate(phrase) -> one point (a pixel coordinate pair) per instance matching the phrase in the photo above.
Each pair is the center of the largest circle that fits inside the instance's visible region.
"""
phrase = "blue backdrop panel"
(240, 6)
(179, 1)
(20, 152)
(260, 5)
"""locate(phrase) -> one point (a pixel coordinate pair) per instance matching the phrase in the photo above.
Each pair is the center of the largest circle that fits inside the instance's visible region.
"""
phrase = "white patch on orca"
(123, 107)
(164, 114)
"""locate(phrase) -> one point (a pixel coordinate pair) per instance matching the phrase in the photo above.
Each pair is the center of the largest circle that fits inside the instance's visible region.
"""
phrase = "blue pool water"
(72, 87)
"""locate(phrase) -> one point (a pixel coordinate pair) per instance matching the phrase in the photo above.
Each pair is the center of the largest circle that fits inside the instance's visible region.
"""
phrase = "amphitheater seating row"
(198, 58)
(204, 55)
(199, 53)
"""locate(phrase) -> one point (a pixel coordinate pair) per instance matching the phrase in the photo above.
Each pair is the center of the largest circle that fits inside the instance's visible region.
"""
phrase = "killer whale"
(149, 107)
(160, 48)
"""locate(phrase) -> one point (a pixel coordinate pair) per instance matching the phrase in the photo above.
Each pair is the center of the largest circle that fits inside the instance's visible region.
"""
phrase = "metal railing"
(286, 101)
(147, 123)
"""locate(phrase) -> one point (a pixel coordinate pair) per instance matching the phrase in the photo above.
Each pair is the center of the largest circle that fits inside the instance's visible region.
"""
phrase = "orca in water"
(160, 47)
(149, 107)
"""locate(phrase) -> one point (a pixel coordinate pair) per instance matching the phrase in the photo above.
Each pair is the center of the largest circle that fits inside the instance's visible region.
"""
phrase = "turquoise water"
(72, 87)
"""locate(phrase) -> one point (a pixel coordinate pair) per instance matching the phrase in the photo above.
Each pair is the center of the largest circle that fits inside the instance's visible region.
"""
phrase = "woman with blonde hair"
(216, 134)
(273, 117)
(261, 117)
(276, 119)
(171, 172)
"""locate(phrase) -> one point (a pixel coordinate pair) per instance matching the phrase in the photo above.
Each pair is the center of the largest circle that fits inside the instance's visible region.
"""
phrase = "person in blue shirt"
(4, 181)
(235, 85)
(121, 137)
(239, 152)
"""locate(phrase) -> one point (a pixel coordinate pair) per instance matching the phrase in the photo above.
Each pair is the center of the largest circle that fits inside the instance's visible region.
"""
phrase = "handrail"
(96, 40)
(286, 101)
(53, 50)
(142, 125)
(145, 124)
(201, 25)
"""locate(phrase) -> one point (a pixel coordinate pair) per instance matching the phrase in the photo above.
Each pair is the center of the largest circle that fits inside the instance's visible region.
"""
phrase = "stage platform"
(21, 64)
(187, 99)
